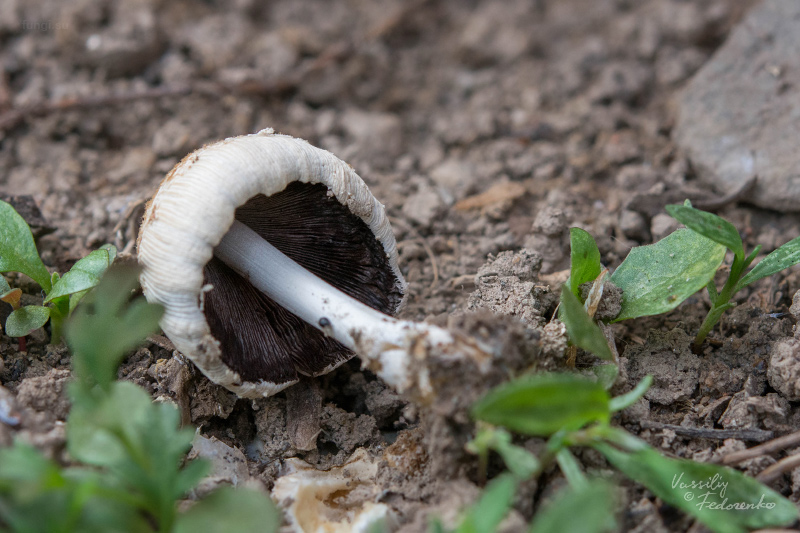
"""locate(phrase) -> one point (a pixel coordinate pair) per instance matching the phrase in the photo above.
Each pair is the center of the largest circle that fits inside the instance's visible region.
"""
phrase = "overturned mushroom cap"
(306, 202)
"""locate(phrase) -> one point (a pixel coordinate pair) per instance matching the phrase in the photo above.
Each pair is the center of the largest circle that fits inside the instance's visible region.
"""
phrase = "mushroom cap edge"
(192, 210)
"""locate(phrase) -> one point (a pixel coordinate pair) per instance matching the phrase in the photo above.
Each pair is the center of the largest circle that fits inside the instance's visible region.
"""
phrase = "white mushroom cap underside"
(193, 209)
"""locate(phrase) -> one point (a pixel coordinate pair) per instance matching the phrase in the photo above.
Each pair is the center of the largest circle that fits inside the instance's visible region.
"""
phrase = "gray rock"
(455, 178)
(228, 465)
(740, 114)
(633, 225)
(662, 225)
(423, 206)
(377, 137)
(784, 368)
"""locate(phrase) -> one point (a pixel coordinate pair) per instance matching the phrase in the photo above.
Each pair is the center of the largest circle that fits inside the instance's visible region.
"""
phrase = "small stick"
(751, 435)
(5, 92)
(13, 117)
(787, 464)
(775, 445)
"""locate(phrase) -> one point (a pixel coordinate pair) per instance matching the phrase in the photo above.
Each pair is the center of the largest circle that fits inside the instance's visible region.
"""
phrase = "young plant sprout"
(273, 260)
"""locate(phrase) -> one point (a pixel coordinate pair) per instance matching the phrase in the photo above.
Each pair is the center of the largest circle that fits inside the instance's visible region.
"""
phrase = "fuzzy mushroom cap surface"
(306, 202)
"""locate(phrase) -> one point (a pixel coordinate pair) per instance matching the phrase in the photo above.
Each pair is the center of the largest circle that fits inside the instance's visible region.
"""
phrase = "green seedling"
(521, 463)
(584, 260)
(588, 508)
(61, 293)
(721, 231)
(574, 411)
(657, 278)
(654, 279)
(579, 318)
(127, 453)
(582, 329)
(489, 511)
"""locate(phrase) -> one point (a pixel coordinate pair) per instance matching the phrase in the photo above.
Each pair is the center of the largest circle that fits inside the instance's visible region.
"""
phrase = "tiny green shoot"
(127, 453)
(724, 500)
(544, 404)
(584, 260)
(18, 253)
(657, 278)
(583, 331)
(588, 508)
(721, 231)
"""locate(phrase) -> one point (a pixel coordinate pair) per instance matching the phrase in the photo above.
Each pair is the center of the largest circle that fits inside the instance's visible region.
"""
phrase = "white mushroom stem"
(383, 342)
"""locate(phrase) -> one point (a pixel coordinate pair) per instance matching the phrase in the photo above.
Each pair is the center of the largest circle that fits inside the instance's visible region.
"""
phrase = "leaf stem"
(722, 301)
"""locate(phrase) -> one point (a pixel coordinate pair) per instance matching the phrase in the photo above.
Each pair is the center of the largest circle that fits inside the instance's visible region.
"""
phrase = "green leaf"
(138, 441)
(582, 330)
(227, 509)
(725, 500)
(96, 432)
(658, 277)
(750, 258)
(606, 374)
(84, 274)
(588, 509)
(191, 474)
(709, 225)
(492, 508)
(75, 298)
(780, 259)
(584, 259)
(104, 329)
(4, 286)
(570, 468)
(629, 398)
(26, 319)
(11, 296)
(712, 292)
(37, 495)
(544, 404)
(522, 463)
(22, 462)
(17, 249)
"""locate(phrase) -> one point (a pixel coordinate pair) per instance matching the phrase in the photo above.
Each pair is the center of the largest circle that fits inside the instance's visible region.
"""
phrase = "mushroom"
(273, 260)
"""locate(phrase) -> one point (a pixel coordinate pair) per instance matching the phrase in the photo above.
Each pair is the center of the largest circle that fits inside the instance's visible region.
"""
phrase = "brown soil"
(485, 128)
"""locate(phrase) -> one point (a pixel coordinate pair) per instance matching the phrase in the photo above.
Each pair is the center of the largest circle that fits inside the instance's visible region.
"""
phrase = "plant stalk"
(721, 304)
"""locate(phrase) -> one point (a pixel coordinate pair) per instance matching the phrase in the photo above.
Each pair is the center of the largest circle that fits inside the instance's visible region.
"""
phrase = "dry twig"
(751, 435)
(775, 445)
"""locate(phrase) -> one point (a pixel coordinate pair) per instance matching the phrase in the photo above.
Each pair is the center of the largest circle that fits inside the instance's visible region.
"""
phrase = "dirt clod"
(46, 394)
(667, 357)
(784, 368)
